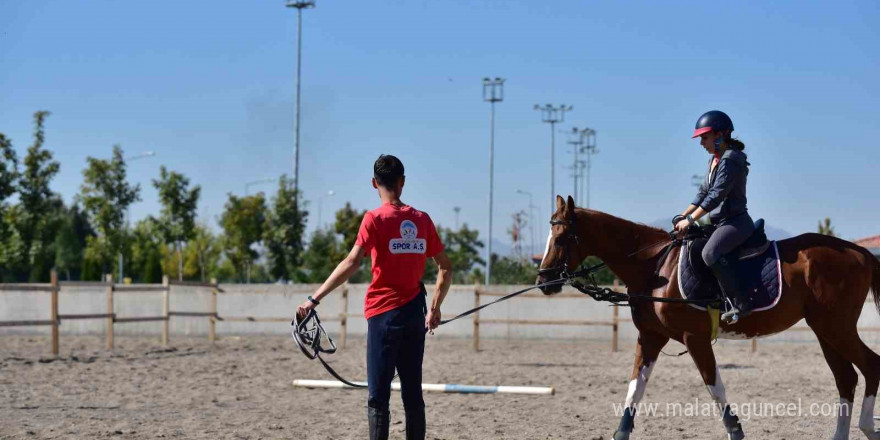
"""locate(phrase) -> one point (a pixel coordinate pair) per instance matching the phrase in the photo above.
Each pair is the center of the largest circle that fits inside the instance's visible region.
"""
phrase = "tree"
(318, 259)
(243, 222)
(70, 243)
(35, 217)
(202, 254)
(512, 270)
(348, 223)
(179, 203)
(8, 187)
(106, 196)
(463, 249)
(826, 229)
(283, 235)
(145, 263)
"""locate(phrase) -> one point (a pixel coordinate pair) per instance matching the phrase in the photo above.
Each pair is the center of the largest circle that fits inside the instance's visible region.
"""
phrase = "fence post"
(165, 309)
(343, 316)
(212, 335)
(476, 318)
(110, 319)
(55, 288)
(754, 345)
(615, 321)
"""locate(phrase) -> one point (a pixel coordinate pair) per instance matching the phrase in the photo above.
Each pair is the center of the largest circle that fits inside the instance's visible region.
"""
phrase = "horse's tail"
(875, 285)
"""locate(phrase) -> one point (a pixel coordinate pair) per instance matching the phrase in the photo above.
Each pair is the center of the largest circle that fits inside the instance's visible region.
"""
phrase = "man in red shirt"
(399, 239)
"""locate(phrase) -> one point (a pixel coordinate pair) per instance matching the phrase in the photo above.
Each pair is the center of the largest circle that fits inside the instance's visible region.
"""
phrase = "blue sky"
(210, 87)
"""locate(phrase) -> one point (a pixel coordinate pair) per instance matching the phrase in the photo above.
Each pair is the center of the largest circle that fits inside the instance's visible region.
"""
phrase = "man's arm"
(344, 270)
(444, 280)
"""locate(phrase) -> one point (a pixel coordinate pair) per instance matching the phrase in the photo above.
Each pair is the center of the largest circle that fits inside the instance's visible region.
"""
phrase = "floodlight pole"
(493, 91)
(299, 5)
(552, 115)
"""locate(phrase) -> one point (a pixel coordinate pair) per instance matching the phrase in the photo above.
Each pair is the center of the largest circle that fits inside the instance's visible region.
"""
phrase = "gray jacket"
(726, 186)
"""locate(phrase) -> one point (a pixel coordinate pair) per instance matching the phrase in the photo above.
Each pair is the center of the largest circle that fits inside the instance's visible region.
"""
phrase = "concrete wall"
(280, 301)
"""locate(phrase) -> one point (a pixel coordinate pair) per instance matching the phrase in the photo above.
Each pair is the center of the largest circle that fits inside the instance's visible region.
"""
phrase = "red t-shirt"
(399, 239)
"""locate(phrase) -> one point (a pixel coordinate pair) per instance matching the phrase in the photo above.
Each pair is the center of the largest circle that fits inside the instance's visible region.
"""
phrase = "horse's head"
(563, 252)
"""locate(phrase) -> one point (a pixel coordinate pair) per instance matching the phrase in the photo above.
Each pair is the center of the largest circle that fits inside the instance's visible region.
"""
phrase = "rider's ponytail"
(736, 144)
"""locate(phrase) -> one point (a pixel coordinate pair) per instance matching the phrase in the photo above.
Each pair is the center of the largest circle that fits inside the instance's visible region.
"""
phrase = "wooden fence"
(54, 287)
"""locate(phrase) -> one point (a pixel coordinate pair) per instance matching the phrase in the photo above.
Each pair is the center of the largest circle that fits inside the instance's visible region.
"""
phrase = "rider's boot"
(725, 271)
(379, 421)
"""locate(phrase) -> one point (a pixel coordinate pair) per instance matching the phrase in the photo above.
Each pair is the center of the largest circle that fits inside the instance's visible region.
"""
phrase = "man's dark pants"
(396, 340)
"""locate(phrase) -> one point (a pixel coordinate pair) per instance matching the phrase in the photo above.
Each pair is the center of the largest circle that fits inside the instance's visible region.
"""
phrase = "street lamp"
(256, 182)
(493, 91)
(299, 5)
(321, 208)
(552, 115)
(141, 155)
(531, 222)
(457, 210)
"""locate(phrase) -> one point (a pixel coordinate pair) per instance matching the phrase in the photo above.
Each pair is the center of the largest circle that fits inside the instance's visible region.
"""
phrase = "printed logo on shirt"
(408, 243)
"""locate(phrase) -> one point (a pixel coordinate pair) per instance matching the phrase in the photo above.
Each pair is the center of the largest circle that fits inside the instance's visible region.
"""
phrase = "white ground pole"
(438, 387)
(637, 386)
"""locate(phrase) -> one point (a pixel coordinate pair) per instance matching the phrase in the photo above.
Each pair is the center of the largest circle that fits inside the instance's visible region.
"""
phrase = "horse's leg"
(848, 347)
(648, 348)
(846, 379)
(851, 347)
(700, 348)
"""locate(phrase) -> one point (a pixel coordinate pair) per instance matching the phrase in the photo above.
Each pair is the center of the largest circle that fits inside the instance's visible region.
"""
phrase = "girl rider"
(724, 188)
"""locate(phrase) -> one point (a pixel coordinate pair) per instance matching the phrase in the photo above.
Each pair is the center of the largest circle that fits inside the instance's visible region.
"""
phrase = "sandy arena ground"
(240, 388)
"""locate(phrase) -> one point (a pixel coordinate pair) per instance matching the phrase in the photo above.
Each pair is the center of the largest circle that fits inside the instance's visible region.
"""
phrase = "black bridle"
(570, 235)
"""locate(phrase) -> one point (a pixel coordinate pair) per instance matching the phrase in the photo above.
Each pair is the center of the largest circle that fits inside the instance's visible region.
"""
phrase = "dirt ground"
(240, 388)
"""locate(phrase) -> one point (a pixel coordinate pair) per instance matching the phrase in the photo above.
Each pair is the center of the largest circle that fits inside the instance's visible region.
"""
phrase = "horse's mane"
(635, 235)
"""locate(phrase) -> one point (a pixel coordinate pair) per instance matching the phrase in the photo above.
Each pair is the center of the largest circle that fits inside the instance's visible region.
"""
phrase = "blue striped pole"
(437, 387)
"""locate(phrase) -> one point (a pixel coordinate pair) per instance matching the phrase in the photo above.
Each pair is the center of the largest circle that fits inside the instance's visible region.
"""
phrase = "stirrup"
(731, 317)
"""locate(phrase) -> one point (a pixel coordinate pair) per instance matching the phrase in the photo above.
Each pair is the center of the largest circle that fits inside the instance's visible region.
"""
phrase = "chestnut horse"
(825, 280)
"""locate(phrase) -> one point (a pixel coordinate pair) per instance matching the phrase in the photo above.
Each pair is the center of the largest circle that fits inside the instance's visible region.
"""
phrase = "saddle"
(758, 266)
(754, 246)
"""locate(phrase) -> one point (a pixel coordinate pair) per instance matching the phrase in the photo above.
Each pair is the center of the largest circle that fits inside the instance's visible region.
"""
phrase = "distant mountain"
(773, 233)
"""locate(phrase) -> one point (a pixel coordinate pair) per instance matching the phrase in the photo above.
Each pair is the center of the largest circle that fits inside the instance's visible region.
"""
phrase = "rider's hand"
(432, 321)
(682, 225)
(304, 309)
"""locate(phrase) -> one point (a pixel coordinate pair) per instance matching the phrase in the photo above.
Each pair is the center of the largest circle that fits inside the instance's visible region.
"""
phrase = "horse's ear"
(569, 207)
(560, 204)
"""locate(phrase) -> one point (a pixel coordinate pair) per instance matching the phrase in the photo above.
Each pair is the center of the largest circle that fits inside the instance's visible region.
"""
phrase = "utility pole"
(299, 5)
(552, 115)
(493, 91)
(531, 223)
(588, 137)
(576, 143)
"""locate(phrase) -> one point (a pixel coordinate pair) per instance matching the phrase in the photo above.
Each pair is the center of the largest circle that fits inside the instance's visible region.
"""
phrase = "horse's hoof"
(620, 435)
(738, 435)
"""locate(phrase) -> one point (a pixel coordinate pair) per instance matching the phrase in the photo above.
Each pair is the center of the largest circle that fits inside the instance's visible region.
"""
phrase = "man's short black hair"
(387, 170)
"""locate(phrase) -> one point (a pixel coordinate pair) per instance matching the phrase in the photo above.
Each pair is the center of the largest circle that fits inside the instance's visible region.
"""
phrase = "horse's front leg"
(648, 348)
(700, 348)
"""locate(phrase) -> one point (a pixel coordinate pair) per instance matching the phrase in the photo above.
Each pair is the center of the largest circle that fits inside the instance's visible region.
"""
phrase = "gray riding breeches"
(727, 236)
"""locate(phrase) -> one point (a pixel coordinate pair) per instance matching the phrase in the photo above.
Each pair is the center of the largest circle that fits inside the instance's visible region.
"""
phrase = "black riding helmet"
(714, 120)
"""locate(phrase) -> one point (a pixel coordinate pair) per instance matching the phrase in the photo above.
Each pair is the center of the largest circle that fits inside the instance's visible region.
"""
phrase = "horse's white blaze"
(637, 386)
(547, 248)
(844, 416)
(866, 418)
(719, 395)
